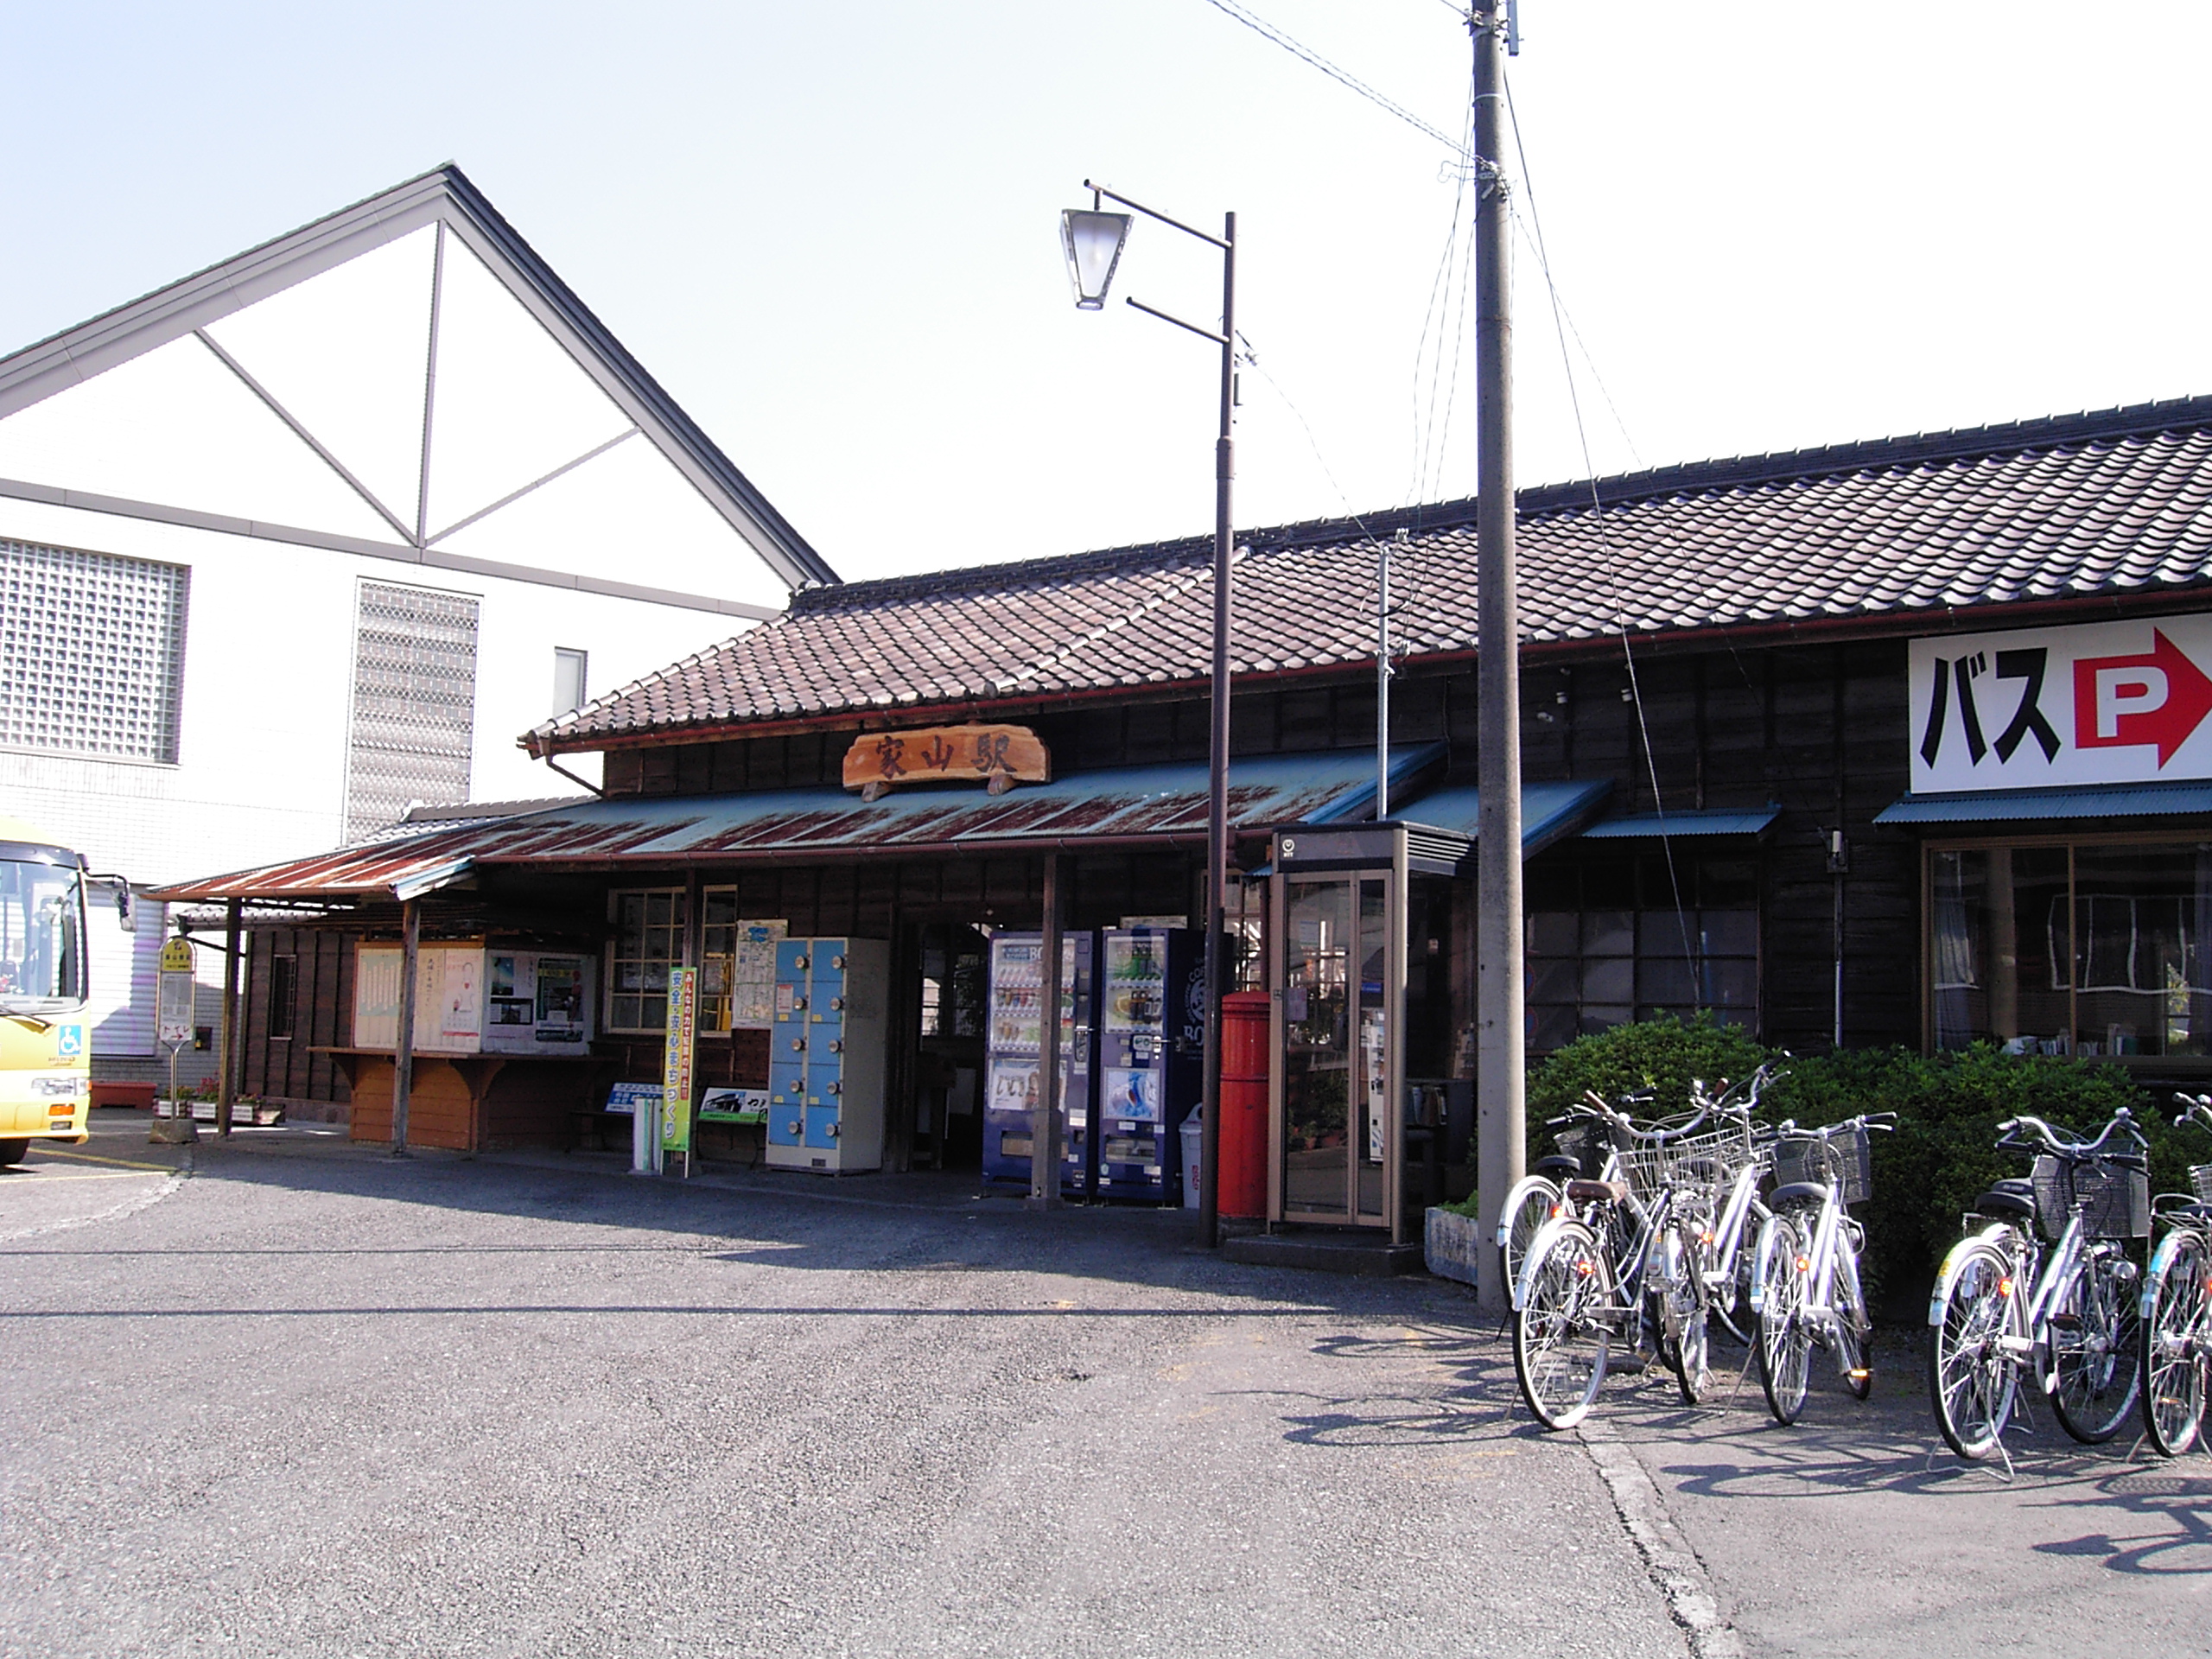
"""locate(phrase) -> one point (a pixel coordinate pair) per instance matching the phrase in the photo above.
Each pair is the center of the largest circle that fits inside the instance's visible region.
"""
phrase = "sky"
(831, 232)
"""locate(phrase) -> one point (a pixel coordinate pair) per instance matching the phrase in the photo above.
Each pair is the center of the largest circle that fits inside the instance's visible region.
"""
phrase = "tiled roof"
(2073, 507)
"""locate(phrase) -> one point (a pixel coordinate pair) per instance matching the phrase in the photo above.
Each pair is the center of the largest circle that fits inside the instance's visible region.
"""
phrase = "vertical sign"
(676, 1064)
(178, 978)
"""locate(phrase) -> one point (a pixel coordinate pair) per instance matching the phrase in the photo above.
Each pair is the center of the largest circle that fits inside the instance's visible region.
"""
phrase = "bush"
(1943, 1152)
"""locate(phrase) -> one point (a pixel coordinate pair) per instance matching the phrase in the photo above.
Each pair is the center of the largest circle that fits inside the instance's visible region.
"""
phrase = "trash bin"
(1194, 1130)
(1244, 1149)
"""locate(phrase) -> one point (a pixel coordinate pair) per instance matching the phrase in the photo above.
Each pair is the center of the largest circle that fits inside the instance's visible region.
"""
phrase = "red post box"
(1243, 1147)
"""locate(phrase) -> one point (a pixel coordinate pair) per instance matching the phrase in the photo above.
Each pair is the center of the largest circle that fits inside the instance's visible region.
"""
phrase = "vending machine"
(1014, 1037)
(1151, 1059)
(826, 1055)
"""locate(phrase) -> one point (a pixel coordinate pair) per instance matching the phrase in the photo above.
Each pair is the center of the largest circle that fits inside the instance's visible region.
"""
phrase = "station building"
(1903, 741)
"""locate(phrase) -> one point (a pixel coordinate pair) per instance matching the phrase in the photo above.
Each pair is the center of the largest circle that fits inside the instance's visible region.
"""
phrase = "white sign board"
(173, 1017)
(2105, 702)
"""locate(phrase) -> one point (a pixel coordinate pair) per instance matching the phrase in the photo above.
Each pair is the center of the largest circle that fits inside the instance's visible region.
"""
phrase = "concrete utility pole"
(1500, 1079)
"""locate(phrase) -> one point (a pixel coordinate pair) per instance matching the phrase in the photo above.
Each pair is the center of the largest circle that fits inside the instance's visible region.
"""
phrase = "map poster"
(676, 1067)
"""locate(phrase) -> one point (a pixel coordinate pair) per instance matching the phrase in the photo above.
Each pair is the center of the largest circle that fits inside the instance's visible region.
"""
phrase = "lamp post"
(1093, 240)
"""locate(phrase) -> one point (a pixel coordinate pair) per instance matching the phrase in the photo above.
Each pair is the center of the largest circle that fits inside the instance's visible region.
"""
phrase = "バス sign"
(2103, 703)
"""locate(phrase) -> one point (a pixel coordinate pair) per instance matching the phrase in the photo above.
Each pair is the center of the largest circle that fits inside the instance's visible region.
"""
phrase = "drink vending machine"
(826, 1055)
(1151, 1057)
(1015, 1038)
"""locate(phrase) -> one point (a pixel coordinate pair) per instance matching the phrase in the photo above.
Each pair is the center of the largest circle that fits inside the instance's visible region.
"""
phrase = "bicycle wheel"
(1690, 1350)
(2096, 1347)
(1562, 1331)
(2174, 1307)
(1852, 1326)
(1971, 1379)
(1785, 1341)
(1533, 1200)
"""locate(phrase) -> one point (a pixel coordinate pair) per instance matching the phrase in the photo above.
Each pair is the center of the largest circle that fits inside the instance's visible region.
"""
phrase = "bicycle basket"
(2200, 1182)
(1643, 1165)
(2114, 1197)
(1712, 1159)
(1587, 1144)
(1842, 1158)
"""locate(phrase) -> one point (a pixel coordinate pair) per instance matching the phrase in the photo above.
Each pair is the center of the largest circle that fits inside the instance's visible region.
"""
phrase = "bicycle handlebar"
(2196, 1108)
(2053, 1140)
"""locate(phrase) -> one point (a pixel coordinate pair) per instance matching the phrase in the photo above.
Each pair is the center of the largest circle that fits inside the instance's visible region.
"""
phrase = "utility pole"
(1500, 1079)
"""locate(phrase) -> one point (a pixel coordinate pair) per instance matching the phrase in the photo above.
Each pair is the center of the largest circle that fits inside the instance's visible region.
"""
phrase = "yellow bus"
(46, 1054)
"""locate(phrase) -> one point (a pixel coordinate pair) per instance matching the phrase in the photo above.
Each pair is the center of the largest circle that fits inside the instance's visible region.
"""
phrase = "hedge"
(1928, 1170)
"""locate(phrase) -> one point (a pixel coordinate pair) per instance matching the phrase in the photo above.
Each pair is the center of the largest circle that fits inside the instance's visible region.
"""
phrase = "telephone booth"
(1371, 978)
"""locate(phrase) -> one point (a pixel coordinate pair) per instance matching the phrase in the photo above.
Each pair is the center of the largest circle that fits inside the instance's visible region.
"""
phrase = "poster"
(676, 1068)
(752, 975)
(460, 1018)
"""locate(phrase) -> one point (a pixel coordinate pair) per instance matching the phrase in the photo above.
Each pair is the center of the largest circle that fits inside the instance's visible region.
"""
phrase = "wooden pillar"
(1045, 1118)
(403, 1059)
(227, 1085)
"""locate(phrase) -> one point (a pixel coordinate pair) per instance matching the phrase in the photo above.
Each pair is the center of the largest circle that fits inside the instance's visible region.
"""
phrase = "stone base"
(173, 1132)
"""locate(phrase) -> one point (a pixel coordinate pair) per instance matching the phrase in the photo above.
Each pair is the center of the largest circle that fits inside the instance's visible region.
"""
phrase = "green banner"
(676, 1064)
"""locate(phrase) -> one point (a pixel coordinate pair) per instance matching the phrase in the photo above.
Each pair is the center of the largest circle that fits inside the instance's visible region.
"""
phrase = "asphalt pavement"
(287, 1396)
(312, 1400)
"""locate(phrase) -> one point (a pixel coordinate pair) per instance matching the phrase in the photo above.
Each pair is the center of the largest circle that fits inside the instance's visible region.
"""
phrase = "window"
(92, 652)
(648, 942)
(1613, 938)
(569, 668)
(414, 703)
(2095, 948)
(284, 996)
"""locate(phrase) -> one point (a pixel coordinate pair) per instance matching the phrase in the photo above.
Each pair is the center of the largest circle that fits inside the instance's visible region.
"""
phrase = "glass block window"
(414, 703)
(1609, 942)
(648, 942)
(92, 652)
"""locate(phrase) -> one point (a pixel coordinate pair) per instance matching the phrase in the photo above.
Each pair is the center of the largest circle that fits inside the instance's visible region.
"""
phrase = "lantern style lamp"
(1093, 244)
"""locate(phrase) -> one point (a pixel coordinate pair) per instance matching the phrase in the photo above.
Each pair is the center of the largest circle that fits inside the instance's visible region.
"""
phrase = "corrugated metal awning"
(2033, 805)
(1641, 826)
(1125, 806)
(1547, 812)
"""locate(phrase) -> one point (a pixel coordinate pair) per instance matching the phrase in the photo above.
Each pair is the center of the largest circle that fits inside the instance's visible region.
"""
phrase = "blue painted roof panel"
(2032, 805)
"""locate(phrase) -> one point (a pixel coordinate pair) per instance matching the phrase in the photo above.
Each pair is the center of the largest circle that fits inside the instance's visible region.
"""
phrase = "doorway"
(946, 1123)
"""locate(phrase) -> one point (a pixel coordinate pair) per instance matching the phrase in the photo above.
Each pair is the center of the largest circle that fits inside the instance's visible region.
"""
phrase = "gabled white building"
(312, 535)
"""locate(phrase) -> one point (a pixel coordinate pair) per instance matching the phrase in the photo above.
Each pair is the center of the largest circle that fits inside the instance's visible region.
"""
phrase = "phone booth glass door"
(1336, 990)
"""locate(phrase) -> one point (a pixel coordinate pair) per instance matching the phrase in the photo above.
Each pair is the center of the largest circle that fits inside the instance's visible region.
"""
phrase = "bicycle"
(1618, 1259)
(2002, 1303)
(1735, 1161)
(1806, 1287)
(2177, 1311)
(1584, 1154)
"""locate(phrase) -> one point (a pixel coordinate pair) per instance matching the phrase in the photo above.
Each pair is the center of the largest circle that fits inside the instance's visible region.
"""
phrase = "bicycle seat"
(2015, 1184)
(1605, 1192)
(2001, 1200)
(1798, 1192)
(1557, 1164)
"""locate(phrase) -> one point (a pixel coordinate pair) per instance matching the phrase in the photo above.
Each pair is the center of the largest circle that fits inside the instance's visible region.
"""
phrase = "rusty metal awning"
(1125, 806)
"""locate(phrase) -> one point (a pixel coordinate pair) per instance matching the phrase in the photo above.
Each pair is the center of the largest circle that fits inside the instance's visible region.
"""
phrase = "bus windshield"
(41, 938)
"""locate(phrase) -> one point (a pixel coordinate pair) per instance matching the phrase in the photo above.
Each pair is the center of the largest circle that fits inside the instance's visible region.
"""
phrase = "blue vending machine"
(826, 1055)
(1013, 1037)
(1151, 1057)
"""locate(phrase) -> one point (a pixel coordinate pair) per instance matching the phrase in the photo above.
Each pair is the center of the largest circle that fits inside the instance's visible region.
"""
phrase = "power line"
(1307, 54)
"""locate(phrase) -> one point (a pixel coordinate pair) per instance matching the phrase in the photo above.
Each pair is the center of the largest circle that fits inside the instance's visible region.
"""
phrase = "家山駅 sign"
(997, 756)
(2103, 703)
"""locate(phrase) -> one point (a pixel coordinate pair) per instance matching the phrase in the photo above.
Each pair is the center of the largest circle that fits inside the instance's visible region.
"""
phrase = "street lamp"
(1093, 242)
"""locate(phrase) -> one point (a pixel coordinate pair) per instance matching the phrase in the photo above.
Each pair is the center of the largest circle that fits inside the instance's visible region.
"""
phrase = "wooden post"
(403, 1059)
(1045, 1118)
(227, 1086)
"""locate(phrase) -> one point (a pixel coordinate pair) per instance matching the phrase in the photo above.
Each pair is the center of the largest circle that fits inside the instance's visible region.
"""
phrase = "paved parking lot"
(308, 1400)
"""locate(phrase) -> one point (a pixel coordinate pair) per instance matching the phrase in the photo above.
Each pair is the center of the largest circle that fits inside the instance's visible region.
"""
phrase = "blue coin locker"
(827, 1048)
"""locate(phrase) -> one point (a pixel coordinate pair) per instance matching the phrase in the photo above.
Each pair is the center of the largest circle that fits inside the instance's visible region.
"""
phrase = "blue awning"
(1642, 826)
(2035, 805)
(1547, 812)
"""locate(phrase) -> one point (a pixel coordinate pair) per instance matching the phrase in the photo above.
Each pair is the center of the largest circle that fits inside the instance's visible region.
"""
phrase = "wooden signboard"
(997, 756)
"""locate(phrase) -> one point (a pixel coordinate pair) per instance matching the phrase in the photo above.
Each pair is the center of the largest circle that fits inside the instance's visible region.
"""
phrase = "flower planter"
(1452, 1245)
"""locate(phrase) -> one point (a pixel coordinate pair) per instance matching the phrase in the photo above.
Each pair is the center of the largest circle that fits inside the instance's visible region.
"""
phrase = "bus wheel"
(13, 1151)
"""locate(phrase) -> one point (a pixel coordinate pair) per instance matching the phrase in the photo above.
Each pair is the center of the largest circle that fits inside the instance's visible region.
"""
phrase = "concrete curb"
(1668, 1557)
(175, 1179)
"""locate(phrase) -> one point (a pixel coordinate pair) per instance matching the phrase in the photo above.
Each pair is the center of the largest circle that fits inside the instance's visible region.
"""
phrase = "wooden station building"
(1899, 742)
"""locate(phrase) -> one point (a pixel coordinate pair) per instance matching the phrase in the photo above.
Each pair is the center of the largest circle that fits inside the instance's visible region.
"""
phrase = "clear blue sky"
(831, 229)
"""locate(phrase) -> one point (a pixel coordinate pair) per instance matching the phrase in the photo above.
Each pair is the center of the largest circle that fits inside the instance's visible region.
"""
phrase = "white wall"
(268, 654)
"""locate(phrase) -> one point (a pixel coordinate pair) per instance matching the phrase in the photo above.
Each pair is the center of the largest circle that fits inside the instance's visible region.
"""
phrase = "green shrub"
(1927, 1172)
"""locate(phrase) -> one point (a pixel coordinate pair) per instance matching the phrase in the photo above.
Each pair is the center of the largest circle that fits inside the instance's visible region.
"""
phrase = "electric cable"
(1605, 548)
(1305, 54)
